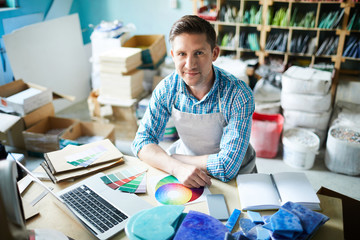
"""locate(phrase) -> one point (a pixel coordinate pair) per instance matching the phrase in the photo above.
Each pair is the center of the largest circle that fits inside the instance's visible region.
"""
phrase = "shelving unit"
(264, 31)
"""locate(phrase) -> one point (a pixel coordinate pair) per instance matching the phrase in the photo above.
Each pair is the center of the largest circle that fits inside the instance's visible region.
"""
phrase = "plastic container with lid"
(265, 134)
(300, 148)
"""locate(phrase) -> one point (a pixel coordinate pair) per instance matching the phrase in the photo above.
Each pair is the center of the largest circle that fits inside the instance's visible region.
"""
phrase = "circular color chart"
(169, 191)
(173, 194)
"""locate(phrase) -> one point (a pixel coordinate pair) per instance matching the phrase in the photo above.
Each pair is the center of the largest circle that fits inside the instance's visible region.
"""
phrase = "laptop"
(100, 209)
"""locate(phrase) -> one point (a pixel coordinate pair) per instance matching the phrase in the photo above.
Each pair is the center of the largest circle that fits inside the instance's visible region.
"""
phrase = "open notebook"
(260, 192)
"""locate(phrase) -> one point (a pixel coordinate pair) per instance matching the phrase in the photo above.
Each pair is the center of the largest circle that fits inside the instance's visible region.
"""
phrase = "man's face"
(193, 58)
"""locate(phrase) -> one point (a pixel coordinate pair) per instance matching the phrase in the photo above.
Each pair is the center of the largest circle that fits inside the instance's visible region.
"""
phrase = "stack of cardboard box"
(24, 105)
(28, 121)
(124, 82)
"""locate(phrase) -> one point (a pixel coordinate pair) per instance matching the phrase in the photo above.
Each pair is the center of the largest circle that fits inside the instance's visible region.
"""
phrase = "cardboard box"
(22, 98)
(11, 128)
(153, 49)
(86, 129)
(44, 136)
(35, 116)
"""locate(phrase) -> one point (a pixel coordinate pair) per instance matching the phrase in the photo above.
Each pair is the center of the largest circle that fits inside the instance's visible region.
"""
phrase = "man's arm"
(234, 143)
(190, 172)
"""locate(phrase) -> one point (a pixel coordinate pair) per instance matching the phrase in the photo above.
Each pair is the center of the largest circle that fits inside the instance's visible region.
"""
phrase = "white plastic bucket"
(300, 148)
(343, 150)
(320, 133)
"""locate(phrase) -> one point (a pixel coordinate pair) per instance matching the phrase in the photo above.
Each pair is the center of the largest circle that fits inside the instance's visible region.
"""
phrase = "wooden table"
(51, 216)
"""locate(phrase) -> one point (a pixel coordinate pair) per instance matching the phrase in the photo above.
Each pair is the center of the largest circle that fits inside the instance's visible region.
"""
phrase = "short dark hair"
(196, 25)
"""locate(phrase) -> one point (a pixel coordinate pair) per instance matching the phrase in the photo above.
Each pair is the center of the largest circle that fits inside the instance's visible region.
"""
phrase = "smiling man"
(211, 109)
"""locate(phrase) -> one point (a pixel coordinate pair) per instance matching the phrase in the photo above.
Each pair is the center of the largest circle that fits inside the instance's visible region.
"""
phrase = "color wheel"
(169, 191)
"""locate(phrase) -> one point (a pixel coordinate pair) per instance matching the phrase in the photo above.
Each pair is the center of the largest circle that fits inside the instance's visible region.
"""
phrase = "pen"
(277, 190)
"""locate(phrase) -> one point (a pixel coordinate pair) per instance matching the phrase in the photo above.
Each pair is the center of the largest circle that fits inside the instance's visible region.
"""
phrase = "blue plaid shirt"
(237, 106)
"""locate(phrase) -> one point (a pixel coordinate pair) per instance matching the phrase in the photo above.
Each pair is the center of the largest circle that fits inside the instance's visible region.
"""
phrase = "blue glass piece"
(178, 221)
(275, 236)
(286, 224)
(240, 235)
(129, 225)
(268, 226)
(233, 219)
(255, 217)
(310, 220)
(157, 222)
(252, 233)
(197, 225)
(262, 233)
(266, 218)
(229, 236)
(246, 224)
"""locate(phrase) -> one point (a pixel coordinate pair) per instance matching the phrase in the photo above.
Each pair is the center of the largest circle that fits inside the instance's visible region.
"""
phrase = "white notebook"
(259, 192)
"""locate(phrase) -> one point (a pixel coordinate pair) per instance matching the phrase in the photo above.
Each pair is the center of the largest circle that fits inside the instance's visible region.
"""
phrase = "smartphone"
(217, 206)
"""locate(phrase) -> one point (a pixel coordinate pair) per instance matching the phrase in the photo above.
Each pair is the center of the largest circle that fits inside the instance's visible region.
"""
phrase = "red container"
(265, 134)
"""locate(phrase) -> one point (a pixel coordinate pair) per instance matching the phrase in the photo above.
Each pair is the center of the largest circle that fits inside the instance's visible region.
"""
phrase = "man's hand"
(191, 176)
(189, 170)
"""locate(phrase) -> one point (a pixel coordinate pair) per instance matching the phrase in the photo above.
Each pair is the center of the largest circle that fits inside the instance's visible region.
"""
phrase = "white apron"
(200, 134)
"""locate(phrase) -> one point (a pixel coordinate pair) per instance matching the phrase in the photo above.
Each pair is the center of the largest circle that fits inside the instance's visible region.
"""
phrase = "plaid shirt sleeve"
(153, 123)
(238, 112)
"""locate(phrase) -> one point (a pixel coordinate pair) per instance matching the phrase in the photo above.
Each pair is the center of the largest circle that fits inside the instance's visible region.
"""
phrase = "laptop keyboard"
(93, 208)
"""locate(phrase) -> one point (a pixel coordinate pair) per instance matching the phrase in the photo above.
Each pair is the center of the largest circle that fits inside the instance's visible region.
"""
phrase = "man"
(211, 110)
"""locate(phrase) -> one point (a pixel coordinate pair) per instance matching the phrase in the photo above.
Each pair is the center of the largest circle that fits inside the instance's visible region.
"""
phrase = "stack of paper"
(123, 86)
(120, 60)
(76, 161)
(119, 78)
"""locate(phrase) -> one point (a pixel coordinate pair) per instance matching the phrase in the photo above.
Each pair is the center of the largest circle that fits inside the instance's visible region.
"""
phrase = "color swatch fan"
(132, 180)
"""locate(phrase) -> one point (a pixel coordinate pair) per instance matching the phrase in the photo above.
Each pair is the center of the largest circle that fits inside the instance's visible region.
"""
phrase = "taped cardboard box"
(22, 98)
(44, 136)
(153, 49)
(85, 132)
(11, 126)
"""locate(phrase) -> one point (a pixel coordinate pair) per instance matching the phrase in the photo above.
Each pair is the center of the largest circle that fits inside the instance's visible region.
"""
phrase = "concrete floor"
(318, 176)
